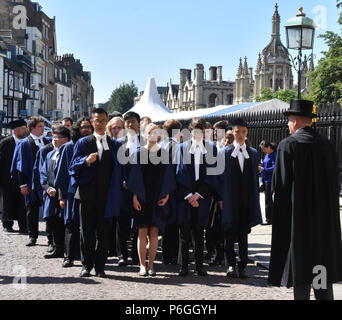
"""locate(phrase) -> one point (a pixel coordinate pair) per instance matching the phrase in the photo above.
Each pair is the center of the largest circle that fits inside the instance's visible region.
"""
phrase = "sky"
(121, 41)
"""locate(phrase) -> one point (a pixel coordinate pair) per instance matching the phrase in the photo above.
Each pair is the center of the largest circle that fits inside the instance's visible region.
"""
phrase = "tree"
(122, 98)
(326, 80)
(284, 95)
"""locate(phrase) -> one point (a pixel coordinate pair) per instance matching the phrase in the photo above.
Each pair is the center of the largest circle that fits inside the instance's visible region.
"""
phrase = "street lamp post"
(300, 35)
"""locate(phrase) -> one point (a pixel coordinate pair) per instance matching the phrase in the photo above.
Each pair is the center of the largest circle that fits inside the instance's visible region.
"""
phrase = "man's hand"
(25, 190)
(136, 203)
(52, 192)
(163, 202)
(194, 198)
(62, 203)
(195, 204)
(92, 158)
(261, 169)
(221, 205)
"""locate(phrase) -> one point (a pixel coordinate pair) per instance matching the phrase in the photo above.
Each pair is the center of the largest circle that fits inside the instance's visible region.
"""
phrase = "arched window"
(212, 100)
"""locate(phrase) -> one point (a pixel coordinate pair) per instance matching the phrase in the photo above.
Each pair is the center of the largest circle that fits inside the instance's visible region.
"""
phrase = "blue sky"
(120, 41)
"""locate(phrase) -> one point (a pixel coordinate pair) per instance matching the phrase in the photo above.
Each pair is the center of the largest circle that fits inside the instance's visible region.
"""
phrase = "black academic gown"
(14, 204)
(306, 226)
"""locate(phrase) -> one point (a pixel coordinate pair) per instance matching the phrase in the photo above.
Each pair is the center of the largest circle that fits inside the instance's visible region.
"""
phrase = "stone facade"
(273, 70)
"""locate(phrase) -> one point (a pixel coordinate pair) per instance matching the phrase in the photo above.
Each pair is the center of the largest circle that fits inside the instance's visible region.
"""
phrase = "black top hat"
(302, 108)
(17, 123)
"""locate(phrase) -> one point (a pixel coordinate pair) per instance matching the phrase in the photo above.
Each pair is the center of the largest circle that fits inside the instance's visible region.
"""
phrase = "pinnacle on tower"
(240, 68)
(245, 67)
(276, 22)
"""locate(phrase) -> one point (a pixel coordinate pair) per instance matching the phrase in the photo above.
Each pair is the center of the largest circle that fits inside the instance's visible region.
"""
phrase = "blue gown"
(152, 183)
(184, 178)
(81, 174)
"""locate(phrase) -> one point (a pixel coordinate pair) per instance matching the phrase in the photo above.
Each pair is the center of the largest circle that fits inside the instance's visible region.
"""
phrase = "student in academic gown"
(93, 166)
(306, 230)
(151, 180)
(238, 187)
(55, 191)
(82, 128)
(22, 166)
(170, 247)
(131, 143)
(194, 194)
(13, 200)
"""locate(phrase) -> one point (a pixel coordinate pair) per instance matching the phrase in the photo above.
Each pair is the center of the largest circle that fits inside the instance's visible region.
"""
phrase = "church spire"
(245, 67)
(276, 23)
(240, 68)
(258, 68)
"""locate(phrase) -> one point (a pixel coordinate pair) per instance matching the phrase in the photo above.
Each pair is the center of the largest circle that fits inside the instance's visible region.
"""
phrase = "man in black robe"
(306, 233)
(13, 200)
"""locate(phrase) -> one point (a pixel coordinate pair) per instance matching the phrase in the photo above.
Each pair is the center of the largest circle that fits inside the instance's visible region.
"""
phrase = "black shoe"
(242, 274)
(31, 243)
(54, 255)
(183, 272)
(200, 273)
(85, 273)
(9, 230)
(122, 263)
(67, 263)
(231, 272)
(51, 248)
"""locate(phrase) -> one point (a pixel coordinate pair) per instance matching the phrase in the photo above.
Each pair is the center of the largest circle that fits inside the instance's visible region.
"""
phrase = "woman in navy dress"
(151, 181)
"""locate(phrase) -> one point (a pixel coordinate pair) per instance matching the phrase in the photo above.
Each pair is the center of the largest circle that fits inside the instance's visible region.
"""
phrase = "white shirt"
(101, 143)
(55, 157)
(38, 140)
(241, 155)
(16, 139)
(132, 143)
(198, 150)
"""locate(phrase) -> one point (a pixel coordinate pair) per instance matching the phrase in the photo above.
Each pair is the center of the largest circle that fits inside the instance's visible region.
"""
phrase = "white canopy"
(151, 105)
(222, 110)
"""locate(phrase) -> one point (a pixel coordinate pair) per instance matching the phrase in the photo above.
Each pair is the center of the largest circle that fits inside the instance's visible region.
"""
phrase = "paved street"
(46, 279)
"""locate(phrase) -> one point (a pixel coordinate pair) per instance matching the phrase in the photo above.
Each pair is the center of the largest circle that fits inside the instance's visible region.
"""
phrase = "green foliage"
(285, 95)
(122, 98)
(326, 80)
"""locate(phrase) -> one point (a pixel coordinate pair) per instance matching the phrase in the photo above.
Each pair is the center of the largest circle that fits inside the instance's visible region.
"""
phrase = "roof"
(150, 104)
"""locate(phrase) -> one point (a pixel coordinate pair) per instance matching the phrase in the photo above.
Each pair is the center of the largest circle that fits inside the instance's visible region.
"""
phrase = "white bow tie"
(237, 150)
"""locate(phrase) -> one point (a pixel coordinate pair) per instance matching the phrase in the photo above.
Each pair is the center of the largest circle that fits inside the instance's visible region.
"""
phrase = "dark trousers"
(32, 219)
(268, 202)
(72, 241)
(112, 236)
(303, 293)
(94, 228)
(13, 206)
(57, 230)
(124, 231)
(214, 237)
(185, 234)
(49, 232)
(231, 237)
(171, 243)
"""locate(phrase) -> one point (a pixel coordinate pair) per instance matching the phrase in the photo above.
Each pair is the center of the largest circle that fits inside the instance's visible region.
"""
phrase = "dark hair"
(198, 123)
(267, 144)
(132, 114)
(221, 125)
(170, 125)
(148, 118)
(68, 119)
(75, 134)
(63, 131)
(100, 111)
(115, 114)
(239, 122)
(33, 121)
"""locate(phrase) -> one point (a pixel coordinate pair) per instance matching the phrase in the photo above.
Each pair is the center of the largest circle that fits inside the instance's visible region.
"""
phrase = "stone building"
(82, 91)
(273, 70)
